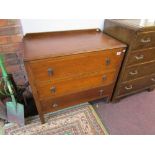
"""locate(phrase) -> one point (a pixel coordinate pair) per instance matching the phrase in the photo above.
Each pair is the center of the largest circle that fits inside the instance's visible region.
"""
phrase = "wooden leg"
(108, 100)
(42, 118)
(115, 100)
(150, 89)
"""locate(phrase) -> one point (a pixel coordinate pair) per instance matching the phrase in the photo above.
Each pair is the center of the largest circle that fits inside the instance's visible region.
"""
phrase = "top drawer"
(78, 64)
(144, 40)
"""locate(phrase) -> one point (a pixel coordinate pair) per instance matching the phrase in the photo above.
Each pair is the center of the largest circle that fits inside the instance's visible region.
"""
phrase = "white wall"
(43, 25)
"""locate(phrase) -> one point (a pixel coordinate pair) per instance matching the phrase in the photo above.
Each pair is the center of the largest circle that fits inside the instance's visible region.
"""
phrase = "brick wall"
(12, 48)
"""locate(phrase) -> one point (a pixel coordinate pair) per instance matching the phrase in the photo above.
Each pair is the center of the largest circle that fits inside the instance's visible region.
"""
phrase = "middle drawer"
(132, 73)
(64, 87)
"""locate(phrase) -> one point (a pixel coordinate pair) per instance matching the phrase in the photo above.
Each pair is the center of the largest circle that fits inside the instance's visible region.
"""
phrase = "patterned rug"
(81, 120)
(1, 127)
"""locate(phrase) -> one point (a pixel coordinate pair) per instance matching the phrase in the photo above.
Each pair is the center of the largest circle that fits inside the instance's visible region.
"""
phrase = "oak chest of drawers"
(70, 67)
(138, 69)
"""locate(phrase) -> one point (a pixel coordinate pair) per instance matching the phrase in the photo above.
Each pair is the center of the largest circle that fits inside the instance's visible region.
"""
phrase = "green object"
(15, 111)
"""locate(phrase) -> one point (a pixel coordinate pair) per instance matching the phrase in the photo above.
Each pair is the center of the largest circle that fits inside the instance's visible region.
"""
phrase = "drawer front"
(50, 105)
(136, 85)
(141, 56)
(54, 89)
(75, 65)
(144, 40)
(139, 71)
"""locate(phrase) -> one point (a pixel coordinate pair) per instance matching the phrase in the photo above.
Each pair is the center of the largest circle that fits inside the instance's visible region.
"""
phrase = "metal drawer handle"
(139, 57)
(54, 105)
(145, 40)
(104, 77)
(153, 79)
(133, 72)
(128, 87)
(53, 89)
(107, 61)
(101, 92)
(50, 71)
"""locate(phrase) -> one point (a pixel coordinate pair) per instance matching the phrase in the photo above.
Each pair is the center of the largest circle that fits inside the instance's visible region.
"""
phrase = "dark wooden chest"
(138, 69)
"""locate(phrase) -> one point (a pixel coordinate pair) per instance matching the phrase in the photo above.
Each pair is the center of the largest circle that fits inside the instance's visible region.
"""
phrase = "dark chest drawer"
(139, 62)
(135, 85)
(144, 40)
(49, 105)
(139, 71)
(141, 56)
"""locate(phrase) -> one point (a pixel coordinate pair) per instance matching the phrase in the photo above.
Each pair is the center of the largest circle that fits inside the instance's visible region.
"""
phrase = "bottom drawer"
(135, 85)
(58, 103)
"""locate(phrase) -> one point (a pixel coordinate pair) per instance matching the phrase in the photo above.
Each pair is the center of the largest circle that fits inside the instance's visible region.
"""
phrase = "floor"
(132, 115)
(77, 120)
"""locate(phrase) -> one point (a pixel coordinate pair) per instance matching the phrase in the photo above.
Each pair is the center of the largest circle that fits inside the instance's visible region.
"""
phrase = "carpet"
(79, 120)
(133, 115)
(1, 127)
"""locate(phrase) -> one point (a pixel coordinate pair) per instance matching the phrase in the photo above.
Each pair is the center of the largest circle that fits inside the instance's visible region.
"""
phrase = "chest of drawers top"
(53, 44)
(136, 33)
(136, 24)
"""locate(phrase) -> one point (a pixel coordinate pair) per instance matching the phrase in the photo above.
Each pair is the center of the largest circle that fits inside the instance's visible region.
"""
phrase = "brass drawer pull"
(145, 40)
(153, 79)
(128, 87)
(101, 92)
(53, 89)
(133, 72)
(139, 57)
(54, 105)
(104, 77)
(107, 61)
(50, 71)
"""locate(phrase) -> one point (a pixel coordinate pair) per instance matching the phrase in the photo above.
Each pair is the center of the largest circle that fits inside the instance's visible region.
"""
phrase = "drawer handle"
(104, 77)
(107, 61)
(53, 89)
(128, 87)
(54, 105)
(153, 79)
(145, 40)
(50, 71)
(133, 72)
(139, 57)
(101, 92)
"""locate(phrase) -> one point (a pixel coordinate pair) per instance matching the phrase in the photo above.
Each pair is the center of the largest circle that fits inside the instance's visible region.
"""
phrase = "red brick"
(3, 40)
(10, 30)
(11, 59)
(9, 22)
(20, 81)
(16, 38)
(16, 47)
(12, 47)
(10, 39)
(12, 69)
(14, 22)
(3, 22)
